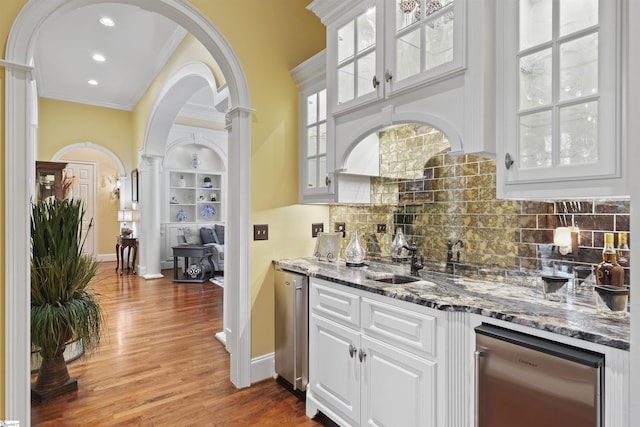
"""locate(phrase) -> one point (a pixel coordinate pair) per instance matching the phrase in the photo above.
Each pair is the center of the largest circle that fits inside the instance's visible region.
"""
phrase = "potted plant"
(62, 306)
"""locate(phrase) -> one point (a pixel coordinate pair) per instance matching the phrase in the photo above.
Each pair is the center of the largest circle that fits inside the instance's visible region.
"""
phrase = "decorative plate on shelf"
(208, 211)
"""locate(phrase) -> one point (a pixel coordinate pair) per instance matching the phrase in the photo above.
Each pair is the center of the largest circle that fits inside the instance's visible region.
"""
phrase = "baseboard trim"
(262, 367)
(106, 257)
(152, 276)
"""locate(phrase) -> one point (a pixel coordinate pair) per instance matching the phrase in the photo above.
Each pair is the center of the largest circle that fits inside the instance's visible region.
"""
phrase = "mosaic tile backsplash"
(435, 197)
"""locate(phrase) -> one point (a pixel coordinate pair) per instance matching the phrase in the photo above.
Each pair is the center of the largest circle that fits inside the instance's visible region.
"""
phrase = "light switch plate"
(316, 228)
(260, 232)
(340, 226)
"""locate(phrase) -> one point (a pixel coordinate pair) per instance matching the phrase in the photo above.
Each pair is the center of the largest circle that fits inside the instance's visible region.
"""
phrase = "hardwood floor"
(160, 364)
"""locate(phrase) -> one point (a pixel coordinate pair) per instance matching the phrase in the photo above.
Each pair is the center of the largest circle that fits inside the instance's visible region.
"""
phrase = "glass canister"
(354, 253)
(398, 250)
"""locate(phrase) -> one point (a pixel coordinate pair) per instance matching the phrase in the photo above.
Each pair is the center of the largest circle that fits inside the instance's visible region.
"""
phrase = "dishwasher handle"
(477, 355)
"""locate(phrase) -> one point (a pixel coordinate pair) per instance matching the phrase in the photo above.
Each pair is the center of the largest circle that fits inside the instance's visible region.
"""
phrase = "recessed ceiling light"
(107, 22)
(98, 57)
(93, 82)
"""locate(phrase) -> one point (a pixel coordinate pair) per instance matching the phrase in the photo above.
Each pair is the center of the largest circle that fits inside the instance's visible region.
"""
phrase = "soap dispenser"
(354, 253)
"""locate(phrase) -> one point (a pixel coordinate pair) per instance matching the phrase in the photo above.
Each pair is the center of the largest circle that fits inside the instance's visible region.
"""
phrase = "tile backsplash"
(434, 197)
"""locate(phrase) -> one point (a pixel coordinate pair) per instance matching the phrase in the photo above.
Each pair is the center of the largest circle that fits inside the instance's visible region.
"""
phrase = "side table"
(132, 244)
(195, 272)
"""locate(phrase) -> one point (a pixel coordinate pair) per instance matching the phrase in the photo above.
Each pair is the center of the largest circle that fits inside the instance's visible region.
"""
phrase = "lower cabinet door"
(398, 389)
(334, 368)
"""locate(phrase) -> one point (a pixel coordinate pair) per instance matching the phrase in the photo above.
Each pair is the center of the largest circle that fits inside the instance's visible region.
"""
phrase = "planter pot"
(53, 379)
(73, 350)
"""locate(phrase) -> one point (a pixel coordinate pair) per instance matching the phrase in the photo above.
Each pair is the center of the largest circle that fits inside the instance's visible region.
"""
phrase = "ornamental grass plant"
(63, 308)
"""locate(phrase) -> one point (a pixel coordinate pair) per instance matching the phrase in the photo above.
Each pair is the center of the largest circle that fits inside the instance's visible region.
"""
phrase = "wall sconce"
(116, 190)
(566, 239)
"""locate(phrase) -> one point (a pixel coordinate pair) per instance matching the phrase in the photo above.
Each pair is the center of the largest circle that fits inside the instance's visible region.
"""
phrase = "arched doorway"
(21, 105)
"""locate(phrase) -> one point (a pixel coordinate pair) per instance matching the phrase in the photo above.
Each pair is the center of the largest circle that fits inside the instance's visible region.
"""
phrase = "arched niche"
(374, 153)
(364, 128)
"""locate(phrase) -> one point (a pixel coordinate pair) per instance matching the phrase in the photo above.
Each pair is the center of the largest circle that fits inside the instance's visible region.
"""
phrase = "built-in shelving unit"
(194, 197)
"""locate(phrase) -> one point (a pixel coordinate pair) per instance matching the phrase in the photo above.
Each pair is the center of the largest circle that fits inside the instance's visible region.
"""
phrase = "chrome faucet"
(450, 250)
(415, 265)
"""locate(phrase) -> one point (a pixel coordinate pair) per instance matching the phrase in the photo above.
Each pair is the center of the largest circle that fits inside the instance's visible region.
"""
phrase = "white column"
(149, 207)
(19, 161)
(237, 293)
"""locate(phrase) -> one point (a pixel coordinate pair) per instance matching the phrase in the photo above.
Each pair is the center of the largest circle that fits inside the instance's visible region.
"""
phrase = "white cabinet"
(560, 103)
(373, 362)
(377, 49)
(316, 145)
(408, 61)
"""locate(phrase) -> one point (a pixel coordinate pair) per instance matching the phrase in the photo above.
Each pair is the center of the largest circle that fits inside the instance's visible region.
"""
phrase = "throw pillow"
(208, 235)
(219, 229)
(191, 236)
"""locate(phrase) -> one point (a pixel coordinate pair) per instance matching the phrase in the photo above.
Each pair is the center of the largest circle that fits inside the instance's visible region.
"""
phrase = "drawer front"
(334, 304)
(410, 330)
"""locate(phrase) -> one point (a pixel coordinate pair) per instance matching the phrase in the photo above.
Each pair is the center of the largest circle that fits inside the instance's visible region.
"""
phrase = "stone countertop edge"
(520, 301)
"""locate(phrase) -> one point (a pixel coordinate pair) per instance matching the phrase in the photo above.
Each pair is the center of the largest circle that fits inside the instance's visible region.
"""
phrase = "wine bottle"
(623, 249)
(609, 272)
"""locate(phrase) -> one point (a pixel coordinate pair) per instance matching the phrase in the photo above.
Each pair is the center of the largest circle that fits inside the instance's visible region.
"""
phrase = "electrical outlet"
(316, 228)
(382, 228)
(340, 226)
(260, 232)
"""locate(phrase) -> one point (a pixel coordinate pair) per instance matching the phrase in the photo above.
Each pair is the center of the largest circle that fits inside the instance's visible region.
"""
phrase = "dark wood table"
(132, 244)
(193, 272)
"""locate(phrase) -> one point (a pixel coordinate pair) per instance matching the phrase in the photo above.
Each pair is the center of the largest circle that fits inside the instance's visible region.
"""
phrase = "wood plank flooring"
(160, 364)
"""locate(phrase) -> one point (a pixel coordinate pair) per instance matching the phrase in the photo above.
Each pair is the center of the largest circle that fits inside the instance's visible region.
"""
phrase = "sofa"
(212, 235)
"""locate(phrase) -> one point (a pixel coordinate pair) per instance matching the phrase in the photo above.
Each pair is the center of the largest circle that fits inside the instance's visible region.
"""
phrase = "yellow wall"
(269, 38)
(64, 123)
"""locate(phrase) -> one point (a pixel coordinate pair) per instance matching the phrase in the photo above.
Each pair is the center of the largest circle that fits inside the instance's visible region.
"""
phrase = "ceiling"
(135, 49)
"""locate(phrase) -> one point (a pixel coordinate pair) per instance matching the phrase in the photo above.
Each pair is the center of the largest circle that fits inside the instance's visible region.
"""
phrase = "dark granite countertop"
(517, 299)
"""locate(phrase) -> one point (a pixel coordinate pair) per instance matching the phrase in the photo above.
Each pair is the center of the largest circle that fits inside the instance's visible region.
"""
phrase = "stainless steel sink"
(397, 279)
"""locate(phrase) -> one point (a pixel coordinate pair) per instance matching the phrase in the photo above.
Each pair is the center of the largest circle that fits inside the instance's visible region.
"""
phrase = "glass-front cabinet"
(561, 99)
(316, 151)
(49, 180)
(315, 136)
(379, 48)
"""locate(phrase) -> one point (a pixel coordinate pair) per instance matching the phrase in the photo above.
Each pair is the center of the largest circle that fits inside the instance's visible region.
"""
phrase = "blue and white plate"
(208, 211)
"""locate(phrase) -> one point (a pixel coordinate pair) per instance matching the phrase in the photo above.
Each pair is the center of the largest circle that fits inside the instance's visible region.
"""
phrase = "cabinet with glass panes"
(379, 49)
(559, 101)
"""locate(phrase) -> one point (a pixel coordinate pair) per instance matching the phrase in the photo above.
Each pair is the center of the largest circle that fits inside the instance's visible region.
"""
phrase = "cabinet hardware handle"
(327, 181)
(508, 161)
(387, 76)
(376, 82)
(352, 350)
(362, 355)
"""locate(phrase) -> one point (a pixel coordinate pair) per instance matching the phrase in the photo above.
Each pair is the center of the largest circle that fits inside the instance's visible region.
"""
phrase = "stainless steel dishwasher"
(292, 329)
(523, 380)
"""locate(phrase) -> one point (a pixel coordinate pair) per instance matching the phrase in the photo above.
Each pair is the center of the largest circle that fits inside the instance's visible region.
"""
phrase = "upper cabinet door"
(379, 48)
(355, 57)
(424, 41)
(559, 107)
